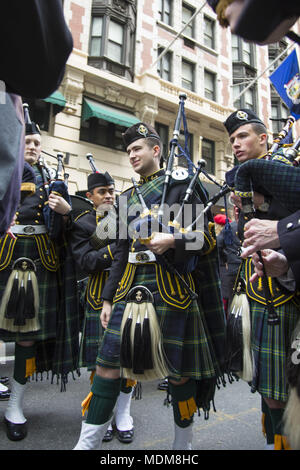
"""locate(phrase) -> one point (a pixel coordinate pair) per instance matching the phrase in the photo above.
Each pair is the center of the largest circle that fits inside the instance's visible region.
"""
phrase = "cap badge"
(142, 130)
(242, 115)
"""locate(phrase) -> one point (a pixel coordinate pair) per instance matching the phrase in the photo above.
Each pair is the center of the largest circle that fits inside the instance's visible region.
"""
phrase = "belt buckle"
(142, 256)
(29, 229)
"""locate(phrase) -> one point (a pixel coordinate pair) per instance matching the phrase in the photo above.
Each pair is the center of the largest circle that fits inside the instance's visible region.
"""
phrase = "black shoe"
(125, 436)
(4, 380)
(4, 395)
(163, 385)
(15, 432)
(108, 436)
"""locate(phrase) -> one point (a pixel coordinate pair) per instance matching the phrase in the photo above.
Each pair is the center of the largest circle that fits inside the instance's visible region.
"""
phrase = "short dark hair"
(152, 141)
(259, 128)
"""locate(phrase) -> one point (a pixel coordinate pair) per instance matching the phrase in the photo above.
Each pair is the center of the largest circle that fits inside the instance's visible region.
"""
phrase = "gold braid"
(220, 10)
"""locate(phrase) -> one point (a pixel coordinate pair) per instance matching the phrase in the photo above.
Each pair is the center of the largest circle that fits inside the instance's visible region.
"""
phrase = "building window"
(164, 9)
(280, 113)
(242, 51)
(242, 76)
(209, 32)
(112, 37)
(188, 75)
(275, 50)
(187, 13)
(209, 85)
(164, 65)
(96, 37)
(100, 132)
(208, 153)
(163, 132)
(244, 72)
(115, 41)
(182, 161)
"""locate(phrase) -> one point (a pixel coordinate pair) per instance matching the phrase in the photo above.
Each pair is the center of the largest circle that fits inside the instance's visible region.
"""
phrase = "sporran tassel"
(13, 291)
(148, 362)
(138, 349)
(125, 352)
(239, 356)
(20, 302)
(19, 318)
(143, 336)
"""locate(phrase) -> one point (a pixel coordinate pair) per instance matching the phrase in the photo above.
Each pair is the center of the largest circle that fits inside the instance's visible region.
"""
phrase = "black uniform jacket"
(87, 258)
(289, 236)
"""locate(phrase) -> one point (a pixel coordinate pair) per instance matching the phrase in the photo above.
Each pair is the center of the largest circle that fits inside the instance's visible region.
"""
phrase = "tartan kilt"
(48, 294)
(185, 342)
(270, 347)
(91, 335)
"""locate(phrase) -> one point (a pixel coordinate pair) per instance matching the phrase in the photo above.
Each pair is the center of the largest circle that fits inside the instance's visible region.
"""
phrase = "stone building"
(131, 59)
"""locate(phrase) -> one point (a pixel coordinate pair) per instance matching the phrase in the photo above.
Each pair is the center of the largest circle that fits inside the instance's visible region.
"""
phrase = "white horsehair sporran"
(142, 355)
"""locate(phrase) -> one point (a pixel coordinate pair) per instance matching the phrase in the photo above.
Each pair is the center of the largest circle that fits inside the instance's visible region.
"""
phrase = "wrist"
(265, 205)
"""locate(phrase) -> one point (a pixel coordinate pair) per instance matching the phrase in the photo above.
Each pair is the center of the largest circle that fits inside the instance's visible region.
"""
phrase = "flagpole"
(257, 78)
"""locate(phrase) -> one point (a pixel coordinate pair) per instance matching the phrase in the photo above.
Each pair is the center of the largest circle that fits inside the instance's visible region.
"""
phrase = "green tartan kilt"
(91, 335)
(270, 346)
(186, 344)
(48, 294)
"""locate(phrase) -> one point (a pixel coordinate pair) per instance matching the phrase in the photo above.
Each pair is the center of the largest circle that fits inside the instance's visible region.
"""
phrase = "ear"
(263, 138)
(88, 195)
(156, 150)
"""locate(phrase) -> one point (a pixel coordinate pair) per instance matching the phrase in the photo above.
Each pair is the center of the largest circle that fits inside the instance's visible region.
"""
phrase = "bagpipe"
(106, 229)
(152, 220)
(57, 184)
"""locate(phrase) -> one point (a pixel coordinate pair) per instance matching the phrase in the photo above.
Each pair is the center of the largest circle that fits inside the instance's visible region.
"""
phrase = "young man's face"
(103, 197)
(33, 148)
(246, 144)
(143, 158)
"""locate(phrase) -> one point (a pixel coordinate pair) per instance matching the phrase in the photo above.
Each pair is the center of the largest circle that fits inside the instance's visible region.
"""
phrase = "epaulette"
(81, 214)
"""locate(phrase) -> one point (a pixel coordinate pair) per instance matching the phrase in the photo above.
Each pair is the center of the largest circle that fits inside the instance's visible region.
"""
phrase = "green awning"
(101, 111)
(56, 98)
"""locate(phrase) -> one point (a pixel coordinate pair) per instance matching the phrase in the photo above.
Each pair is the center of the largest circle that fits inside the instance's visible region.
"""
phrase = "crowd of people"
(153, 307)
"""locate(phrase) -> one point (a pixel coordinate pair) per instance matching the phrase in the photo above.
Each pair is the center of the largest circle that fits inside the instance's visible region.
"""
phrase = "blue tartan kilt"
(48, 294)
(185, 342)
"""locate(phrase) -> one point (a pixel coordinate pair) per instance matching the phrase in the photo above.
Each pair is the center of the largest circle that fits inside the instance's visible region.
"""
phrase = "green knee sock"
(24, 365)
(183, 401)
(267, 422)
(276, 417)
(105, 394)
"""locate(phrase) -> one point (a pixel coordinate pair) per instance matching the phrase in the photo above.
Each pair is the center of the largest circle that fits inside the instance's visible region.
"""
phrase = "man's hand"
(275, 264)
(105, 313)
(260, 234)
(59, 204)
(258, 199)
(161, 242)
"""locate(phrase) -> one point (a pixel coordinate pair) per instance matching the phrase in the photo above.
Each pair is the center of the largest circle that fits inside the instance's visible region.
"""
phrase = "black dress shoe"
(15, 432)
(163, 385)
(4, 380)
(108, 436)
(4, 395)
(125, 436)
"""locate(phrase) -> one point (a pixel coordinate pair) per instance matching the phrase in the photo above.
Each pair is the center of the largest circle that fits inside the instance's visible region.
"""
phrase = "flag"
(286, 80)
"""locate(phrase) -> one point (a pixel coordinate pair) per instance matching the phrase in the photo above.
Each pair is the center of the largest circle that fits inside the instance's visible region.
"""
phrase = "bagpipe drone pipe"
(57, 185)
(106, 229)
